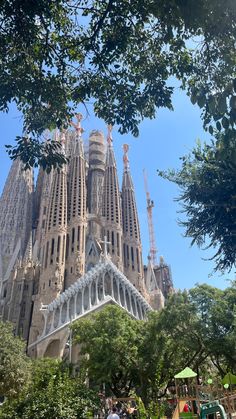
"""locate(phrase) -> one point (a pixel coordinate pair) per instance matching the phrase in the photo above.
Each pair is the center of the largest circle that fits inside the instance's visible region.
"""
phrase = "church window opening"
(112, 241)
(132, 254)
(132, 257)
(118, 244)
(137, 254)
(124, 256)
(58, 244)
(46, 256)
(52, 248)
(63, 246)
(78, 238)
(67, 245)
(108, 239)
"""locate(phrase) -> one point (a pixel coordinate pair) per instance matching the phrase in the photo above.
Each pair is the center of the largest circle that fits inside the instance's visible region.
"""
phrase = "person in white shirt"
(113, 415)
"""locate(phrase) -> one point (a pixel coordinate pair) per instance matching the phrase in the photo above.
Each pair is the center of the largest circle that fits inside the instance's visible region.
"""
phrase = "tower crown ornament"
(78, 128)
(63, 137)
(125, 156)
(109, 135)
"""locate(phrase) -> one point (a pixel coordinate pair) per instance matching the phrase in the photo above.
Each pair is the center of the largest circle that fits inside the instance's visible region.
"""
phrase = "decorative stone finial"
(125, 156)
(63, 137)
(162, 262)
(79, 130)
(55, 135)
(60, 136)
(78, 264)
(109, 136)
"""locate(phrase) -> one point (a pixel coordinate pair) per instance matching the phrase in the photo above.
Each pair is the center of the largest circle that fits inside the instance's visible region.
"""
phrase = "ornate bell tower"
(132, 248)
(111, 210)
(77, 214)
(51, 281)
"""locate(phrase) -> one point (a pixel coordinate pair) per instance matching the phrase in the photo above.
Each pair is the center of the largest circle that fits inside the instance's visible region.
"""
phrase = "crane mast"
(150, 205)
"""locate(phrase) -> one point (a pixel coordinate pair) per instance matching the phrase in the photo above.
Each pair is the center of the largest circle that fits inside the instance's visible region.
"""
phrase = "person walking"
(113, 414)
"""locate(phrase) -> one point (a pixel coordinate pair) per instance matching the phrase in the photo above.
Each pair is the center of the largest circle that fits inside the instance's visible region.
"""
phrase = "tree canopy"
(119, 54)
(15, 366)
(53, 393)
(195, 329)
(110, 338)
(215, 309)
(207, 180)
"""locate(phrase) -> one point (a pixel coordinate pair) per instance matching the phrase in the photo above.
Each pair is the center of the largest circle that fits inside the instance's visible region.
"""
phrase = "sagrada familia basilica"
(72, 244)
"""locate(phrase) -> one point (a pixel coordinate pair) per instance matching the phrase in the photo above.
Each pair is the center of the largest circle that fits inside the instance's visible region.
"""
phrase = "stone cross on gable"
(77, 125)
(105, 242)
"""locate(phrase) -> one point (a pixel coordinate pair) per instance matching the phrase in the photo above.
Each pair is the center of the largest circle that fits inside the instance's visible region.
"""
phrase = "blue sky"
(160, 144)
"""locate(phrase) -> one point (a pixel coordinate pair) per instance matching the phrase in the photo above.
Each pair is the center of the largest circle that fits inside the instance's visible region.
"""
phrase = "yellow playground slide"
(176, 411)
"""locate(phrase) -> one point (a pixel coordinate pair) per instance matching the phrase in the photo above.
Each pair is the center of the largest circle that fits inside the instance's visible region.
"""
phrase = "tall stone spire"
(42, 200)
(77, 215)
(15, 213)
(132, 248)
(95, 181)
(96, 172)
(51, 281)
(111, 209)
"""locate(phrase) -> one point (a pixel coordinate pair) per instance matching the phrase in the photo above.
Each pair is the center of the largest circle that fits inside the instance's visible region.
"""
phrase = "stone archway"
(53, 349)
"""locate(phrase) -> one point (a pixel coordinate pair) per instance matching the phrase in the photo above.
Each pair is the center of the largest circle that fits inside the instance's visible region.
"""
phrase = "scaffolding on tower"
(150, 205)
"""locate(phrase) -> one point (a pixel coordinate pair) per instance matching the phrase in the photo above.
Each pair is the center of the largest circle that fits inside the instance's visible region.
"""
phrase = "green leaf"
(222, 105)
(201, 101)
(193, 99)
(232, 102)
(225, 122)
(211, 130)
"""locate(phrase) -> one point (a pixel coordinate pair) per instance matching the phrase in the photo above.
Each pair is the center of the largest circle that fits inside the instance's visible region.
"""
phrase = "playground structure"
(214, 401)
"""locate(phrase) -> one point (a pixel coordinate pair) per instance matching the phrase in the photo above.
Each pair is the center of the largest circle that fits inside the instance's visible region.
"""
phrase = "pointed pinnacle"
(79, 130)
(125, 156)
(109, 136)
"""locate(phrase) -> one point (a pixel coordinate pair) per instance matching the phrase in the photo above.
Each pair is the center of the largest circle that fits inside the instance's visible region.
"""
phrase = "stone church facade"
(72, 244)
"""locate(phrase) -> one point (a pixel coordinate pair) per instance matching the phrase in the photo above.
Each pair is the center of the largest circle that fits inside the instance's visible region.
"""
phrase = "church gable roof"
(102, 267)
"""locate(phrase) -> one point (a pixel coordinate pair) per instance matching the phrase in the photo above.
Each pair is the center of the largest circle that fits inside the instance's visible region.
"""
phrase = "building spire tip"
(77, 126)
(109, 136)
(125, 156)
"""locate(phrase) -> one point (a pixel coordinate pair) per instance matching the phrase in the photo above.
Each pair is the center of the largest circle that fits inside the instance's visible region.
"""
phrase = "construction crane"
(150, 205)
